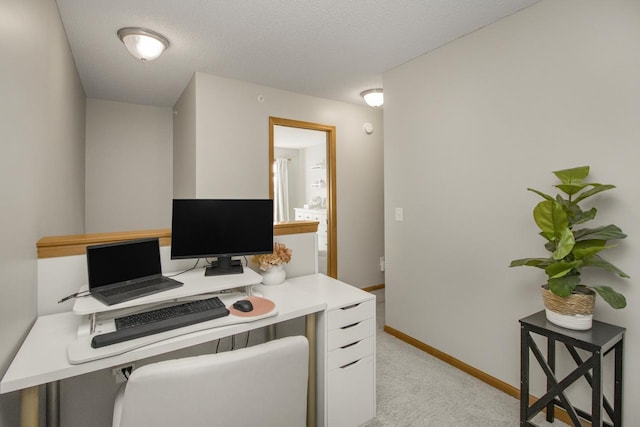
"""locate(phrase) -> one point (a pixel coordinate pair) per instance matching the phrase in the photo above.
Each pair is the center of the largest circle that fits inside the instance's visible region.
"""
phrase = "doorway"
(307, 153)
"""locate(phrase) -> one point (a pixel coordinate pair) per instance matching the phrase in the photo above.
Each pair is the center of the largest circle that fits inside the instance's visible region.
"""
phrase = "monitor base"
(224, 265)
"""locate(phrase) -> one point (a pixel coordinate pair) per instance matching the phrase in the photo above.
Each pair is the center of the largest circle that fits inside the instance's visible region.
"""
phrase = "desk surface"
(42, 357)
(194, 283)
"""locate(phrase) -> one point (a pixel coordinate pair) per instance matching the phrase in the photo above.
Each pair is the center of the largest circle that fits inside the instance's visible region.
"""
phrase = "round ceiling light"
(373, 97)
(146, 45)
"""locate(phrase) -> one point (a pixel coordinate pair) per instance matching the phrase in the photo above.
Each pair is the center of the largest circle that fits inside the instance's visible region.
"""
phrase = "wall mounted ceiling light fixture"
(373, 97)
(146, 45)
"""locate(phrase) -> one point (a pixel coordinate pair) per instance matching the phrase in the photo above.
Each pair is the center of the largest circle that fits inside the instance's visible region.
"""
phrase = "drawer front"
(351, 398)
(343, 356)
(349, 334)
(351, 314)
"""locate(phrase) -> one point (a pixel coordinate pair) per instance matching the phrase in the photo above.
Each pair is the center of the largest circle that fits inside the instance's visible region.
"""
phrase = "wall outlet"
(381, 263)
(121, 373)
(399, 214)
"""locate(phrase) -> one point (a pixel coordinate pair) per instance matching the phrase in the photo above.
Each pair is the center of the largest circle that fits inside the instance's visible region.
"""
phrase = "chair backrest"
(263, 385)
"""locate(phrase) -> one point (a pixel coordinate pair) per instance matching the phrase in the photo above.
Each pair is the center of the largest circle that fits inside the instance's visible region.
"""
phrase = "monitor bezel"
(224, 263)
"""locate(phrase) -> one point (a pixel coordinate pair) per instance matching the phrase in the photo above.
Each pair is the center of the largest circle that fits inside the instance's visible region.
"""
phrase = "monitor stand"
(224, 265)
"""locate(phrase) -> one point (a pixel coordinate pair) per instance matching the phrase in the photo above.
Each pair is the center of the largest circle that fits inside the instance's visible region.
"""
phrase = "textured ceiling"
(327, 48)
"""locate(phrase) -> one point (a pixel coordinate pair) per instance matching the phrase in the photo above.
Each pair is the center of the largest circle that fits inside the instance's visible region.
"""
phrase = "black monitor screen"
(221, 228)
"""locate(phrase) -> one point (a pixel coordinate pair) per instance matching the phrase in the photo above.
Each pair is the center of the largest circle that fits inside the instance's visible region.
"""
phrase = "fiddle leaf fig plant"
(573, 249)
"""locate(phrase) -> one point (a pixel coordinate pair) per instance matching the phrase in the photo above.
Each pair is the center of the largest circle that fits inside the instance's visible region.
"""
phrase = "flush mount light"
(373, 97)
(146, 45)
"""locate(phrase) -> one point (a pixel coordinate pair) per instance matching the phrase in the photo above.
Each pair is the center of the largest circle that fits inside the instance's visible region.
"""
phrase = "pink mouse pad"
(260, 306)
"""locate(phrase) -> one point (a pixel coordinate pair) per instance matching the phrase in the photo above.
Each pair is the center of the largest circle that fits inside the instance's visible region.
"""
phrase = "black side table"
(599, 340)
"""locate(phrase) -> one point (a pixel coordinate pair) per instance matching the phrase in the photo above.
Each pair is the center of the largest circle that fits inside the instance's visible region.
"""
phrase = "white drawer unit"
(350, 402)
(319, 215)
(350, 348)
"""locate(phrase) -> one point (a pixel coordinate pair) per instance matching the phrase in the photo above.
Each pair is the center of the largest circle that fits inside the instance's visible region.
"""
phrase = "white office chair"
(263, 385)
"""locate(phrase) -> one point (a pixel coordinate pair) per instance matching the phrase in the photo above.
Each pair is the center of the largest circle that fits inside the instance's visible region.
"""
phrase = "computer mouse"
(243, 305)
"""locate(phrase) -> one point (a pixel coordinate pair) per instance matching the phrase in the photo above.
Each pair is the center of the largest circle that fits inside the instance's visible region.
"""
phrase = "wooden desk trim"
(76, 244)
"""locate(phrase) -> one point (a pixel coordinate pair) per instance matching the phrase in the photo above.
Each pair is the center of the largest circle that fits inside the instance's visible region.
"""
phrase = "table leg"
(53, 404)
(310, 332)
(524, 375)
(617, 391)
(596, 403)
(551, 361)
(29, 403)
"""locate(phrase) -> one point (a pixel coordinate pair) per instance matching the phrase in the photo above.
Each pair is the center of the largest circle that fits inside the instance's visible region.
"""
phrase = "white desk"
(42, 358)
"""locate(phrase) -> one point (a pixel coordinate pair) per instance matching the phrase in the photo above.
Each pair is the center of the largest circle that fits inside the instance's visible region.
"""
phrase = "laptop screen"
(123, 261)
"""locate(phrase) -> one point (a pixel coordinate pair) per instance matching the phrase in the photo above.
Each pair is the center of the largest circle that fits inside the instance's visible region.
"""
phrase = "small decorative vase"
(274, 275)
(573, 312)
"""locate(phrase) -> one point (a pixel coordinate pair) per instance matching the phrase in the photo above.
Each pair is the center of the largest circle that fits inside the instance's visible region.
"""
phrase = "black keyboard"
(163, 319)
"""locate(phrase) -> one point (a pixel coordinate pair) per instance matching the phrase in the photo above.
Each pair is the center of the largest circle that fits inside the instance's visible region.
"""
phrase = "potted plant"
(568, 301)
(271, 264)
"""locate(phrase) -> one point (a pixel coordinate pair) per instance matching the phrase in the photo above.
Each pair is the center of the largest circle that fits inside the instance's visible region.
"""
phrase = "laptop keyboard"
(132, 287)
(163, 319)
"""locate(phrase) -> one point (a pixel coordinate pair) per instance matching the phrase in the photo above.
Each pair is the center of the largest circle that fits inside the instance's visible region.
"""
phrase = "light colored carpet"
(416, 389)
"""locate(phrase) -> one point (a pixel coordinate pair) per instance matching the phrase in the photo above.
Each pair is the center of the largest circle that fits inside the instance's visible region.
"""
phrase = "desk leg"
(53, 404)
(271, 332)
(310, 333)
(29, 402)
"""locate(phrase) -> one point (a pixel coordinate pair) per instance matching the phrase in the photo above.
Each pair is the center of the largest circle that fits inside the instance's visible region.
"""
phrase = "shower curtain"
(280, 190)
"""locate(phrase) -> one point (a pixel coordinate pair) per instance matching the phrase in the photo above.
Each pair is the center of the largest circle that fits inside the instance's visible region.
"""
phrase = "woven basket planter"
(572, 312)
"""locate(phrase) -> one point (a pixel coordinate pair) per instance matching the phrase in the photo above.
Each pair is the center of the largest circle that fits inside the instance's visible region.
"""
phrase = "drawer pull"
(349, 345)
(349, 364)
(349, 307)
(351, 325)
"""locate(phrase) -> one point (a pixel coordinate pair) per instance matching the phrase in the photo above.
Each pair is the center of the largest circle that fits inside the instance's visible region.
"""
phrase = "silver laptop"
(124, 271)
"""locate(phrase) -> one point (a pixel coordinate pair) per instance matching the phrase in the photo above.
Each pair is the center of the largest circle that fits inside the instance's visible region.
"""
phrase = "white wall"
(42, 162)
(231, 153)
(129, 163)
(468, 128)
(184, 143)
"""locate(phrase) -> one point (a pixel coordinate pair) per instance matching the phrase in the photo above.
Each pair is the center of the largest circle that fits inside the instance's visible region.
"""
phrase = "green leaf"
(607, 232)
(573, 175)
(612, 297)
(578, 216)
(587, 248)
(541, 194)
(564, 286)
(550, 245)
(599, 262)
(551, 219)
(565, 244)
(531, 262)
(561, 269)
(598, 188)
(571, 189)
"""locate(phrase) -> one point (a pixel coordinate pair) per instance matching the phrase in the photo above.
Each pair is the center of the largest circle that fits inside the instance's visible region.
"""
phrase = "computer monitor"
(221, 228)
